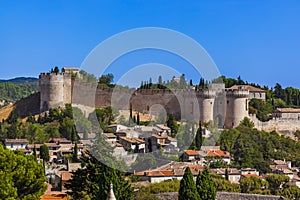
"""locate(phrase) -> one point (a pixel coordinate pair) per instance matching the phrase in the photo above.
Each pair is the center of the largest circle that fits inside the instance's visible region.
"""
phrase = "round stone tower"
(237, 107)
(206, 105)
(51, 90)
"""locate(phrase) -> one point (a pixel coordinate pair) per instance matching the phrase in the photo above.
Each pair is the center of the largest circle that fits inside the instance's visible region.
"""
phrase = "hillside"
(15, 89)
(21, 80)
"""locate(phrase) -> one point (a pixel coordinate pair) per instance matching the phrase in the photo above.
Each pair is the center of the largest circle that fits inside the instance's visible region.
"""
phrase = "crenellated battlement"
(237, 93)
(58, 89)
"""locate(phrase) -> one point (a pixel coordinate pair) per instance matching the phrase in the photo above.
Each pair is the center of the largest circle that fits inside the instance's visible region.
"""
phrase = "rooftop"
(16, 141)
(246, 87)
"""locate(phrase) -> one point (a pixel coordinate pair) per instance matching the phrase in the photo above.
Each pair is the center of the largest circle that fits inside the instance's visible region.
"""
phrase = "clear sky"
(258, 40)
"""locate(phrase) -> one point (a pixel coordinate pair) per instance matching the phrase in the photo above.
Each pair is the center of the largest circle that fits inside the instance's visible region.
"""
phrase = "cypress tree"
(34, 151)
(130, 110)
(226, 174)
(134, 119)
(75, 153)
(205, 186)
(188, 190)
(198, 138)
(138, 119)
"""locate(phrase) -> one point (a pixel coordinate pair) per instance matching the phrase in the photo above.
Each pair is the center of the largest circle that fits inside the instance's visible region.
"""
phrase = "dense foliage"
(205, 186)
(11, 92)
(94, 179)
(252, 148)
(188, 189)
(21, 176)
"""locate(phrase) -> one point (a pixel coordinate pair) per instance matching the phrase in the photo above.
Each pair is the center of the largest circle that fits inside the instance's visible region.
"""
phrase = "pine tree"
(188, 190)
(205, 186)
(134, 119)
(198, 138)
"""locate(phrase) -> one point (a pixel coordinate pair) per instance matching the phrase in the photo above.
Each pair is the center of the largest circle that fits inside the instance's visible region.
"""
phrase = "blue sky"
(258, 40)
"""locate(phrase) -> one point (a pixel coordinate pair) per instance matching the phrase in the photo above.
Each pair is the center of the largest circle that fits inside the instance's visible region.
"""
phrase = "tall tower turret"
(206, 105)
(51, 90)
(237, 107)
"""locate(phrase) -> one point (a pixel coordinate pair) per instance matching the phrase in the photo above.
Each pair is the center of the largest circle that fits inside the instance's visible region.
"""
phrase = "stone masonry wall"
(225, 196)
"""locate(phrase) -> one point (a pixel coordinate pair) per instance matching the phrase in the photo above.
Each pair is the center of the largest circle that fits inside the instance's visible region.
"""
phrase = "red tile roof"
(191, 153)
(251, 175)
(217, 153)
(155, 173)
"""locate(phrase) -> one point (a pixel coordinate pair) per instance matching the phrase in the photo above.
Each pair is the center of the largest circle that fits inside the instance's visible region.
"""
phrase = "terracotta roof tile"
(191, 153)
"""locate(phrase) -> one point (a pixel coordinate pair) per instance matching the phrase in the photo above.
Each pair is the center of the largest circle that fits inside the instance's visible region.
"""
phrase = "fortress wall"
(67, 89)
(284, 126)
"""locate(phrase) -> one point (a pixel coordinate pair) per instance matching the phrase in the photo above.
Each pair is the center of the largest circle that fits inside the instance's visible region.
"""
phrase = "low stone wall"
(225, 196)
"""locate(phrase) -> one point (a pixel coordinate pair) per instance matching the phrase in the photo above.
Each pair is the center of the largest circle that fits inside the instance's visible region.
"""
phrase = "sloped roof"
(65, 176)
(191, 153)
(246, 87)
(288, 110)
(217, 153)
(16, 141)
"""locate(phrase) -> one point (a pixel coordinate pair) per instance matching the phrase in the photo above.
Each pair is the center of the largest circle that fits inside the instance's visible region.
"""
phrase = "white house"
(15, 144)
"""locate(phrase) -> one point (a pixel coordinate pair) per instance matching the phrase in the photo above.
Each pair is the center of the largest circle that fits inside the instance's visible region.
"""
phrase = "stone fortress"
(227, 106)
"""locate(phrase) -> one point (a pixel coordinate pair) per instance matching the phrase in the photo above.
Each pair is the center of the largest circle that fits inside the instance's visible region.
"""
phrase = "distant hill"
(15, 89)
(21, 80)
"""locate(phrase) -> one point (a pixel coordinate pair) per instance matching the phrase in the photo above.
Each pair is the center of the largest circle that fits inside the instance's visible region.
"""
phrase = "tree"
(205, 186)
(188, 188)
(130, 112)
(44, 153)
(226, 174)
(138, 119)
(182, 82)
(66, 128)
(21, 176)
(56, 70)
(75, 153)
(252, 184)
(94, 179)
(34, 151)
(106, 79)
(172, 123)
(198, 138)
(276, 181)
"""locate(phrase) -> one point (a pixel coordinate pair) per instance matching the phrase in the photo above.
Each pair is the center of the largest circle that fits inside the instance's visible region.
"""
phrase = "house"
(214, 154)
(135, 144)
(117, 127)
(65, 177)
(174, 170)
(234, 175)
(254, 92)
(110, 137)
(61, 141)
(129, 132)
(156, 176)
(16, 144)
(287, 113)
(164, 129)
(190, 155)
